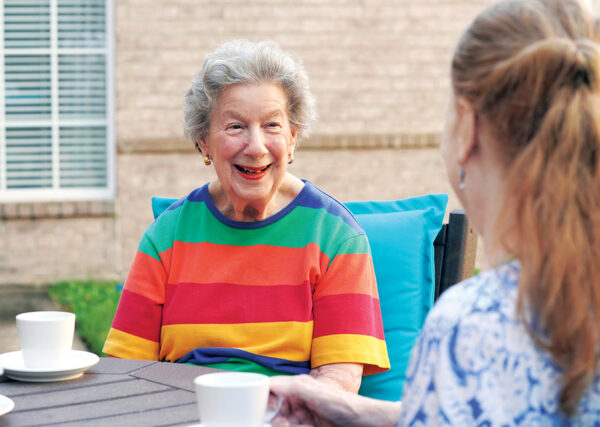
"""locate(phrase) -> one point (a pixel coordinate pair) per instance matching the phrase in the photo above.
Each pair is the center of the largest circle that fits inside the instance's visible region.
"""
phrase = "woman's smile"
(249, 172)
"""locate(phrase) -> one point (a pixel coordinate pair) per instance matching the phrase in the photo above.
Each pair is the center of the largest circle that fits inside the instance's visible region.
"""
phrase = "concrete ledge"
(40, 210)
(325, 142)
(15, 299)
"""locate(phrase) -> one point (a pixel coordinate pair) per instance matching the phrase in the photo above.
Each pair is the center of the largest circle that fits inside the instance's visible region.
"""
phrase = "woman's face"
(250, 141)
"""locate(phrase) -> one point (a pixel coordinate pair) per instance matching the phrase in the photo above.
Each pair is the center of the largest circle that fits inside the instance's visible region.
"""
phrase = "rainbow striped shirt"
(291, 292)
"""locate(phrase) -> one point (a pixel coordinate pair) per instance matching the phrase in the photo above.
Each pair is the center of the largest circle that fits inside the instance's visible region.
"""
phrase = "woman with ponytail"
(520, 342)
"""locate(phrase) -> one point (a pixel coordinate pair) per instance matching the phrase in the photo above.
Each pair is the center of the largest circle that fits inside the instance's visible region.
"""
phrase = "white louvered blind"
(56, 114)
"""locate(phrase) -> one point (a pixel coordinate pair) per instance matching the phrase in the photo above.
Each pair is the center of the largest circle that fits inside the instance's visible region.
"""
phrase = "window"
(56, 109)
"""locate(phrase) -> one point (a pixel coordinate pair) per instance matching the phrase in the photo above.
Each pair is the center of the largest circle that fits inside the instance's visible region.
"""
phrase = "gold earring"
(207, 160)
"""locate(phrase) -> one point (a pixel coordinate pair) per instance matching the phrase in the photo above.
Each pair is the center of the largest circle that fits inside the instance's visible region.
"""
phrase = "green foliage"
(94, 304)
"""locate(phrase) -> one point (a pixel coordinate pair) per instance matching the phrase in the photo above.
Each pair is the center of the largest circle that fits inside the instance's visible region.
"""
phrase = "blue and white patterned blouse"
(474, 363)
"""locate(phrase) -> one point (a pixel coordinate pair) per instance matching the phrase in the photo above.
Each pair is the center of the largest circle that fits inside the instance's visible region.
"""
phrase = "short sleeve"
(136, 328)
(347, 315)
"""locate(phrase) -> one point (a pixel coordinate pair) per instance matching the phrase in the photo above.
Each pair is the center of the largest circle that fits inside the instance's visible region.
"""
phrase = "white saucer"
(6, 405)
(77, 363)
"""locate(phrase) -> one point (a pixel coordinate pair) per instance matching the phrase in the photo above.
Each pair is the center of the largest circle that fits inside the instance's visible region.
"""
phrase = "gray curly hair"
(241, 61)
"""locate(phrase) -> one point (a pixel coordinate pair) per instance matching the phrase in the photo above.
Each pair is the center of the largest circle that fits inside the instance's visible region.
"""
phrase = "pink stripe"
(222, 303)
(138, 315)
(348, 314)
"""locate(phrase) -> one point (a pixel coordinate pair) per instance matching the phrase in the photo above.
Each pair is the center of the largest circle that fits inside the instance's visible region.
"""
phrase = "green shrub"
(94, 303)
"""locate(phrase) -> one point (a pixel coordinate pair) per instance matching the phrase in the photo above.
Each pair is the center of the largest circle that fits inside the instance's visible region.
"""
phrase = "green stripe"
(159, 235)
(297, 229)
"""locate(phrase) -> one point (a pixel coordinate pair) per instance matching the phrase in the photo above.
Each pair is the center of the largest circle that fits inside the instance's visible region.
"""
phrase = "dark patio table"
(115, 392)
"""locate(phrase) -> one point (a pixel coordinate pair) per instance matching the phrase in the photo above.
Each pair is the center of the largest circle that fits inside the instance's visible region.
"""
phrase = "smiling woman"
(257, 270)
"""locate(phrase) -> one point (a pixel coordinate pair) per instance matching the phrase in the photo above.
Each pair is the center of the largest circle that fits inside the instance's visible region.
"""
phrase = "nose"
(256, 146)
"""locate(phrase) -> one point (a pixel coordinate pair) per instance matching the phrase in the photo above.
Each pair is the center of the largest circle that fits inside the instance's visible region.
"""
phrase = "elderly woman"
(257, 270)
(519, 344)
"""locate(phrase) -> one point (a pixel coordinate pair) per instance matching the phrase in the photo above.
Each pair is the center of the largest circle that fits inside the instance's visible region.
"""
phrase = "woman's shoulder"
(313, 195)
(315, 198)
(489, 296)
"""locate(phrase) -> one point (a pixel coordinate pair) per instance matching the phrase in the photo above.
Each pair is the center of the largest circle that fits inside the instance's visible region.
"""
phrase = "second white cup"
(46, 338)
(232, 399)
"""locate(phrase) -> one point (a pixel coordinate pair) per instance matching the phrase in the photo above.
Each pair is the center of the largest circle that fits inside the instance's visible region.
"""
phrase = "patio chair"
(455, 248)
(416, 258)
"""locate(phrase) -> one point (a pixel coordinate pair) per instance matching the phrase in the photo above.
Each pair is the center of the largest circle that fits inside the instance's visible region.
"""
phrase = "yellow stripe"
(285, 340)
(347, 348)
(126, 346)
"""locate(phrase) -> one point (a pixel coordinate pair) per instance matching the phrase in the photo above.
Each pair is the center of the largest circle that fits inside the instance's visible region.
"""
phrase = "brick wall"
(378, 68)
(50, 249)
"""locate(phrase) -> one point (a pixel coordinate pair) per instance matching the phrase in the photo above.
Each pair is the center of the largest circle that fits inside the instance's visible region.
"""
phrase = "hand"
(308, 402)
(287, 414)
(294, 413)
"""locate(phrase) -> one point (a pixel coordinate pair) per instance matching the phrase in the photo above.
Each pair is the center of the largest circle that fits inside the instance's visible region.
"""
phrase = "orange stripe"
(351, 274)
(246, 265)
(147, 277)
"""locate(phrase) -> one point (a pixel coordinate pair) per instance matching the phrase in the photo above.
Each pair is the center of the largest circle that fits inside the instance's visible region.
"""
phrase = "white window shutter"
(26, 24)
(28, 157)
(56, 140)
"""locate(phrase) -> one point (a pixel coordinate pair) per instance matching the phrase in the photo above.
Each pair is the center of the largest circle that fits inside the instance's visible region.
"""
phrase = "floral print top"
(475, 364)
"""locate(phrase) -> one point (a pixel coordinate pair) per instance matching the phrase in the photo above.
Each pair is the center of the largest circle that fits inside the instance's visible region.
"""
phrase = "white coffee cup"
(233, 399)
(46, 338)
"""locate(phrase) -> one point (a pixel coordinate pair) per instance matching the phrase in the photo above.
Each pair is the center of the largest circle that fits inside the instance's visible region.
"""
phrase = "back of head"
(245, 62)
(531, 69)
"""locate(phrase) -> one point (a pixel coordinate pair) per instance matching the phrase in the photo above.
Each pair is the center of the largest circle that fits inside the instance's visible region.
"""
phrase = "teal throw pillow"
(159, 204)
(401, 235)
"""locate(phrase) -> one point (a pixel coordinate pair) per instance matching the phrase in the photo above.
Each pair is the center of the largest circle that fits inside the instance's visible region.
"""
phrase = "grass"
(94, 304)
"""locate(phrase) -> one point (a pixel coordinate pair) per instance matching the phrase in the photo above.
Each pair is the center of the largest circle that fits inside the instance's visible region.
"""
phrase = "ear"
(466, 129)
(294, 134)
(203, 146)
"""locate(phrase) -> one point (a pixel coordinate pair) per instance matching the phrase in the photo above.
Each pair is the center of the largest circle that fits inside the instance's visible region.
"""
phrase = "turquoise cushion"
(159, 204)
(401, 235)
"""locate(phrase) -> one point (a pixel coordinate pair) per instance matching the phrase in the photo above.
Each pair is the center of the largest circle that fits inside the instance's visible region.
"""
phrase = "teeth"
(252, 172)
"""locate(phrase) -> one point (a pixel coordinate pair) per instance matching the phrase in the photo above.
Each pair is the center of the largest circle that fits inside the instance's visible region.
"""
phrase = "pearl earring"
(461, 179)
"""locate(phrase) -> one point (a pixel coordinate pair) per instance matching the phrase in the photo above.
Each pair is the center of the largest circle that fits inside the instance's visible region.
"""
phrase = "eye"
(274, 125)
(234, 127)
